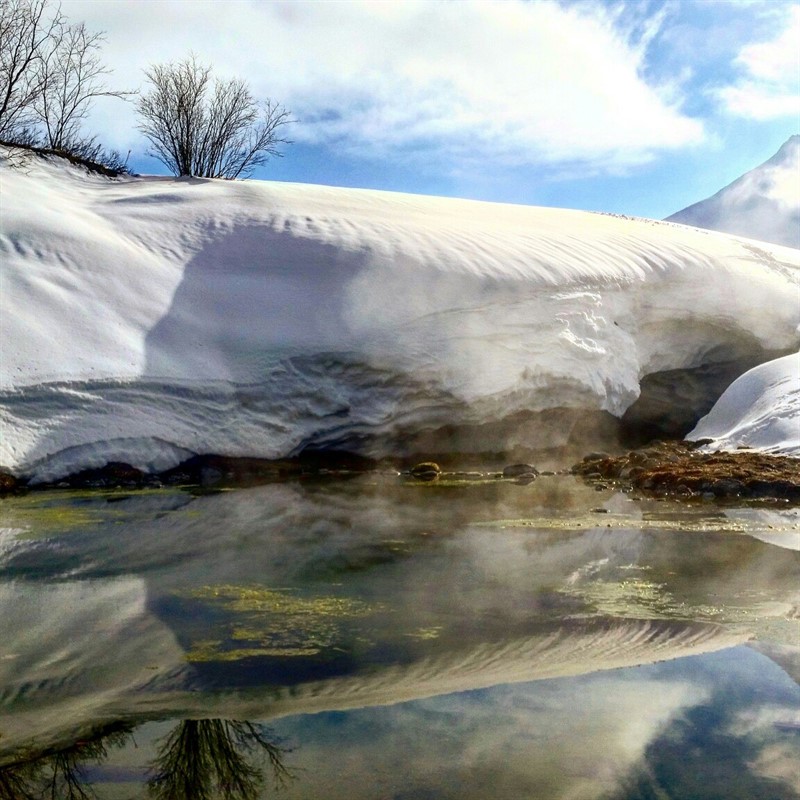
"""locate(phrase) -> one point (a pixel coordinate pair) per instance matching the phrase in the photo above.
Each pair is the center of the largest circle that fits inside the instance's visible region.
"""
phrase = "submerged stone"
(426, 471)
(520, 471)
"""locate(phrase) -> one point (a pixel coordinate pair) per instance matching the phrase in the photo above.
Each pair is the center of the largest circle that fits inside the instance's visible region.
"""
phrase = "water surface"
(372, 638)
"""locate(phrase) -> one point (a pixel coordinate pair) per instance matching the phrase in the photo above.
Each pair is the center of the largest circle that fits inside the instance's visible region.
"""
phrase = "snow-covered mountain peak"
(788, 152)
(763, 204)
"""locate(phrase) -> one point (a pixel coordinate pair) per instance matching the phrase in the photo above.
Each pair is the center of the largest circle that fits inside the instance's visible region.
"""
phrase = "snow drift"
(760, 409)
(147, 319)
(764, 203)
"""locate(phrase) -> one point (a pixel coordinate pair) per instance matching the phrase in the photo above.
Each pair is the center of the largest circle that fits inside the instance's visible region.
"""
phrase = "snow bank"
(760, 410)
(144, 319)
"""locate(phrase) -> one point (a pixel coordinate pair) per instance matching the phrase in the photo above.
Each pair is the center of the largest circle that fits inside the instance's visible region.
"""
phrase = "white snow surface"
(764, 203)
(760, 409)
(146, 319)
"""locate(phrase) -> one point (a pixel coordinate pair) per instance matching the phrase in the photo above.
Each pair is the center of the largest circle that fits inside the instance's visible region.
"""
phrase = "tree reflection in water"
(202, 759)
(216, 759)
(60, 774)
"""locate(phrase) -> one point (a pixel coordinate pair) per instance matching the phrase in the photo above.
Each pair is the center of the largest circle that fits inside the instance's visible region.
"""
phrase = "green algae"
(242, 599)
(43, 514)
(45, 520)
(637, 598)
(630, 598)
(216, 650)
(680, 524)
(266, 622)
(445, 482)
(426, 634)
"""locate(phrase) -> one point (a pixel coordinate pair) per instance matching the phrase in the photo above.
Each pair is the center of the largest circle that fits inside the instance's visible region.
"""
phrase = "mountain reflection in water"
(400, 640)
(723, 726)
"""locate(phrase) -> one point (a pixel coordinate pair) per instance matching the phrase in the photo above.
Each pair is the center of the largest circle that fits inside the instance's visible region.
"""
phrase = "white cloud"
(770, 82)
(509, 82)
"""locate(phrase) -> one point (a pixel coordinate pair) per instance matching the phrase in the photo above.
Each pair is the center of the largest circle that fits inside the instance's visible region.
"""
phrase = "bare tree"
(50, 74)
(70, 78)
(27, 35)
(205, 128)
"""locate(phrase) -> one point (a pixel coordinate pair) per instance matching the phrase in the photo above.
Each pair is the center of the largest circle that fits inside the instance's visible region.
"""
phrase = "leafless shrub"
(208, 128)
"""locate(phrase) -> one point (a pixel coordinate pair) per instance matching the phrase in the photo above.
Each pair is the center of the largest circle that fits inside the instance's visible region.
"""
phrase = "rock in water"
(426, 471)
(520, 471)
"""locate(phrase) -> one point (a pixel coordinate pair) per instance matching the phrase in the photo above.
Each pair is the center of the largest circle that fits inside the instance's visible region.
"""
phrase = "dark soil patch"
(679, 469)
(8, 483)
(213, 470)
(675, 469)
(112, 475)
(111, 170)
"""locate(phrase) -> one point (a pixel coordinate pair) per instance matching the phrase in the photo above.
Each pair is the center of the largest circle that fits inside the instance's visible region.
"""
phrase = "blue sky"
(639, 107)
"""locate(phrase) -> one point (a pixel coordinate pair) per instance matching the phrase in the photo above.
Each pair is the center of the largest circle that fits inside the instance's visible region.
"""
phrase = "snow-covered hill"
(764, 203)
(147, 319)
